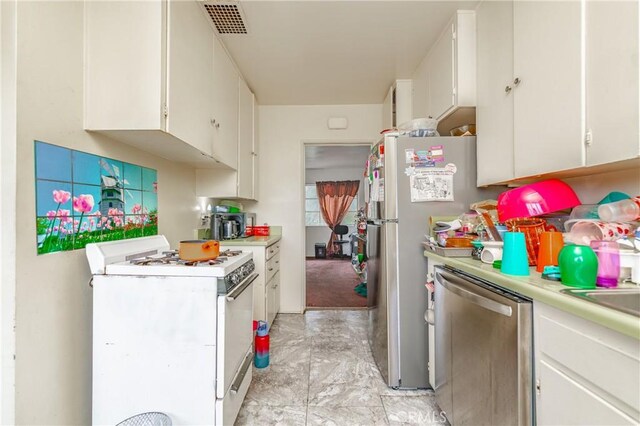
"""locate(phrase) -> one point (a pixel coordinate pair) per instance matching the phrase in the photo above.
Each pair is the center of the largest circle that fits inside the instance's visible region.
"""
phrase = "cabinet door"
(440, 73)
(612, 80)
(494, 111)
(387, 110)
(548, 100)
(189, 82)
(245, 141)
(579, 405)
(225, 78)
(124, 78)
(276, 296)
(271, 302)
(256, 147)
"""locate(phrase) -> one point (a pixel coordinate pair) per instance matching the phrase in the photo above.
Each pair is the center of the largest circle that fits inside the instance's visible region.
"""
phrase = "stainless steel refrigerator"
(404, 172)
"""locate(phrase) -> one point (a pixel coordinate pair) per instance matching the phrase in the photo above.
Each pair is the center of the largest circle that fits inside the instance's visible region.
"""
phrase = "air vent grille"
(226, 17)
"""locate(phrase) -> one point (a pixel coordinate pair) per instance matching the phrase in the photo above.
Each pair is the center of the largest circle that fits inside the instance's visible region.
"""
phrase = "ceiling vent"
(227, 16)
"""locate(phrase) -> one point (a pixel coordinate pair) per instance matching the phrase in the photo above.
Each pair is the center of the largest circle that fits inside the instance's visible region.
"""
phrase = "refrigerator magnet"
(409, 156)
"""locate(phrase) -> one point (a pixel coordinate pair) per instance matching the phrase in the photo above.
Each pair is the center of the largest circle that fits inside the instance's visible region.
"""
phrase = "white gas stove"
(170, 335)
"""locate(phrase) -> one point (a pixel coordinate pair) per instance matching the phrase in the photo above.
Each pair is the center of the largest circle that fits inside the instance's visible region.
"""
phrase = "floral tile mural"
(83, 198)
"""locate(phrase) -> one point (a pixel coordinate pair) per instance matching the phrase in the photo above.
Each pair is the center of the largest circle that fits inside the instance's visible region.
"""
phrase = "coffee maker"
(228, 226)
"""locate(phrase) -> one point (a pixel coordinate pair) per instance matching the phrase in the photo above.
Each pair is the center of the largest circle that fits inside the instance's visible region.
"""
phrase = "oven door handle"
(238, 290)
(237, 381)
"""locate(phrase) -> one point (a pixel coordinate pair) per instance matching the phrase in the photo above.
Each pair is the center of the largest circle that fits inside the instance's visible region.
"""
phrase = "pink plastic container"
(536, 199)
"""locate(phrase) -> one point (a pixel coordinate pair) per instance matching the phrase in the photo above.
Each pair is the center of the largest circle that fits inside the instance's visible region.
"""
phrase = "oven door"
(235, 333)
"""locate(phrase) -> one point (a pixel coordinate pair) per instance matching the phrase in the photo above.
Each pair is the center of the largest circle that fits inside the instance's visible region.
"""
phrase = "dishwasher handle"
(448, 281)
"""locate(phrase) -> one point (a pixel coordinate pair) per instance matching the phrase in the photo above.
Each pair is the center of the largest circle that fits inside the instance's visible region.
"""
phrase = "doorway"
(332, 274)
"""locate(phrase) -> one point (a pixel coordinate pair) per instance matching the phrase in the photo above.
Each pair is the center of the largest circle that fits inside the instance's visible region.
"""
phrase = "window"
(313, 217)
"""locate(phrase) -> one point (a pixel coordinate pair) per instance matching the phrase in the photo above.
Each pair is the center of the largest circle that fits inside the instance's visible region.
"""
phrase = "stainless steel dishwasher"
(483, 352)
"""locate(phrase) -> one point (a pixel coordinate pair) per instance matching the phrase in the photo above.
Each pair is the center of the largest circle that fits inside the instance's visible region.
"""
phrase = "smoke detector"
(227, 16)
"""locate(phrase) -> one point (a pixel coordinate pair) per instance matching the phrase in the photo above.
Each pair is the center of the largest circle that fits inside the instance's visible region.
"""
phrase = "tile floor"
(321, 372)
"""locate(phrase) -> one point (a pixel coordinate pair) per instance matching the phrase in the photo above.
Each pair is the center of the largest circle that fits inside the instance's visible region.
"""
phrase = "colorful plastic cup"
(550, 245)
(608, 254)
(578, 266)
(514, 255)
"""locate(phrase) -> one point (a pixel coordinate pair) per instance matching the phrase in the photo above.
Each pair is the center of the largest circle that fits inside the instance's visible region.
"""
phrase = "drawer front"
(272, 266)
(606, 360)
(273, 249)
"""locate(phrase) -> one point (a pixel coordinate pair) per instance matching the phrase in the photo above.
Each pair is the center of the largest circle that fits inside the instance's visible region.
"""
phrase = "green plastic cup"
(578, 266)
(514, 254)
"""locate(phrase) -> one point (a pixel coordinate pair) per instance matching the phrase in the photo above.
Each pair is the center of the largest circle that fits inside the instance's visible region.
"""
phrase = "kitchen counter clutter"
(548, 292)
(252, 241)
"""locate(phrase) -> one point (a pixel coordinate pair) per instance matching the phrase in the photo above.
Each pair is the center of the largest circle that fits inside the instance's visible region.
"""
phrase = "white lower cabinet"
(586, 374)
(266, 288)
(273, 298)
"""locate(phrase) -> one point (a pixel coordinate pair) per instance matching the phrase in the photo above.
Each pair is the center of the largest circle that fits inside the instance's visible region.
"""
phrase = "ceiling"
(335, 157)
(334, 52)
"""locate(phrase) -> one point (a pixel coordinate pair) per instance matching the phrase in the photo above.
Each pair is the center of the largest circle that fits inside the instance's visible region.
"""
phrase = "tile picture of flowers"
(83, 198)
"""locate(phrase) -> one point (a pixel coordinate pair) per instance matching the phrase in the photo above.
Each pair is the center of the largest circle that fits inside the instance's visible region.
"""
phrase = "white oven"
(168, 335)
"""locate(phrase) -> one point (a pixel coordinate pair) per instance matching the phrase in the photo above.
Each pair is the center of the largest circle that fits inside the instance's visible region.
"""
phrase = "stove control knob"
(235, 278)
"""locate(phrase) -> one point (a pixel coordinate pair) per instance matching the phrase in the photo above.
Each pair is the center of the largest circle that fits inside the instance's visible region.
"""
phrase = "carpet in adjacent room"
(330, 284)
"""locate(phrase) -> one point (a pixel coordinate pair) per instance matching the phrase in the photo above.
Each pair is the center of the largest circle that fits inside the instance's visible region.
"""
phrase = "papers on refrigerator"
(431, 184)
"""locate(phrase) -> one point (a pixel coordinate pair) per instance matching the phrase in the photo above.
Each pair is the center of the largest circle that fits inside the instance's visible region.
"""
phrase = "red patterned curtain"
(334, 199)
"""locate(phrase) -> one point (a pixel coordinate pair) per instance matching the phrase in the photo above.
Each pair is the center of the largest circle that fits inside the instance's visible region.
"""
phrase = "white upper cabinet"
(397, 106)
(571, 101)
(241, 182)
(148, 77)
(451, 67)
(547, 87)
(225, 78)
(612, 57)
(246, 148)
(494, 110)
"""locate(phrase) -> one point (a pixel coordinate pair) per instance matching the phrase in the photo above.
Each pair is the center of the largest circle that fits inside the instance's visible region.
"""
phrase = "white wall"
(53, 298)
(7, 209)
(321, 234)
(283, 130)
(591, 189)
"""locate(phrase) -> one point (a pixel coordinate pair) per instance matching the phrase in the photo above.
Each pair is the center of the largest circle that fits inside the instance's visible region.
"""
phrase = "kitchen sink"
(622, 299)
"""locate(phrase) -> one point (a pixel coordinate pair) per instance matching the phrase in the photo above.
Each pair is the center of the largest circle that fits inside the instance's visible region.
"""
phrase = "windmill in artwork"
(112, 188)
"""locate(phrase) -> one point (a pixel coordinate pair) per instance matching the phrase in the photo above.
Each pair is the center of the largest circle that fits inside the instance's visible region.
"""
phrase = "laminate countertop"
(536, 288)
(252, 241)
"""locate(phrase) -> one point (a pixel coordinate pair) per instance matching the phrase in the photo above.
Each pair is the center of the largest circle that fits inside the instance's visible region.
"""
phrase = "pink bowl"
(536, 199)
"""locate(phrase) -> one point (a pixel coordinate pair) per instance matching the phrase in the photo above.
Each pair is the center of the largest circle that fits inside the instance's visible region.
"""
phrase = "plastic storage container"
(621, 211)
(420, 127)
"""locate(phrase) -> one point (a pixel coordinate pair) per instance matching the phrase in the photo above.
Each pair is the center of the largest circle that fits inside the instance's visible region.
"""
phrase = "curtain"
(334, 199)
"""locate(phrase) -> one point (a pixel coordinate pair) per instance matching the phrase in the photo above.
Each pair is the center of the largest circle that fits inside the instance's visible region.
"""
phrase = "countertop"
(252, 241)
(534, 287)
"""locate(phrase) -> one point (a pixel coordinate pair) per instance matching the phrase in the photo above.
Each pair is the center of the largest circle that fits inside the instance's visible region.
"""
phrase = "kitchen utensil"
(608, 254)
(585, 211)
(491, 254)
(621, 211)
(550, 245)
(585, 231)
(532, 228)
(495, 235)
(514, 256)
(578, 266)
(198, 250)
(536, 199)
(614, 196)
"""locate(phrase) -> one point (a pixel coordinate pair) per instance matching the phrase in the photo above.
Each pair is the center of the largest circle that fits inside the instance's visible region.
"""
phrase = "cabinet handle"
(212, 121)
(507, 89)
(270, 269)
(277, 261)
(516, 81)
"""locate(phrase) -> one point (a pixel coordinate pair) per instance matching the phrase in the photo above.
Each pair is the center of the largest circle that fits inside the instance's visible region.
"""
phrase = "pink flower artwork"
(51, 214)
(60, 196)
(83, 203)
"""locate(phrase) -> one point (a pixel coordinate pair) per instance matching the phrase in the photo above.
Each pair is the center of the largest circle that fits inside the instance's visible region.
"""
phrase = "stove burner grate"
(172, 257)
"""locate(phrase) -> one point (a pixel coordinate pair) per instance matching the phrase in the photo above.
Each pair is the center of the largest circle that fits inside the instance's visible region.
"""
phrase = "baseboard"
(346, 308)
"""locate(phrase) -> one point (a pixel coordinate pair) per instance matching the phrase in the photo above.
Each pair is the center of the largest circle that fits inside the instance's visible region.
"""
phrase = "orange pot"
(198, 250)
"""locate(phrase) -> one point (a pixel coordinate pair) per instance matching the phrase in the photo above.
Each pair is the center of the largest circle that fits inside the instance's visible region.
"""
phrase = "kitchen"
(43, 98)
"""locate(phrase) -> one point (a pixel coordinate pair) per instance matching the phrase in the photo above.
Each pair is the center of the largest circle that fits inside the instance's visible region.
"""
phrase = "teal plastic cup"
(578, 266)
(514, 254)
